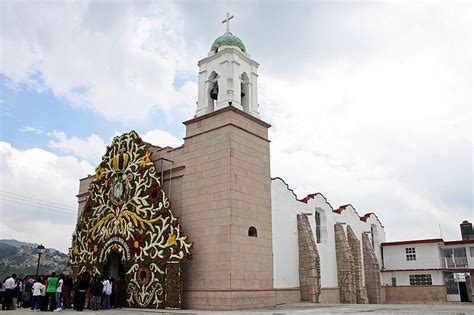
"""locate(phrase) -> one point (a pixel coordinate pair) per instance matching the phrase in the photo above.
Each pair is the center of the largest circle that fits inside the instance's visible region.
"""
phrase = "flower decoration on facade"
(128, 214)
(144, 275)
(120, 161)
(154, 194)
(89, 208)
(171, 240)
(99, 173)
(145, 159)
(136, 244)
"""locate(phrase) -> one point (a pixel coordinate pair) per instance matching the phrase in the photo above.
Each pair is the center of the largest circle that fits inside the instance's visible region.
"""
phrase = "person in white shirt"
(9, 286)
(35, 304)
(59, 290)
(107, 291)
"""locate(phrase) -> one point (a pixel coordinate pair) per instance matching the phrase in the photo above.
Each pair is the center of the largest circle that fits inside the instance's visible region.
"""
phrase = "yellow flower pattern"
(145, 159)
(99, 173)
(171, 240)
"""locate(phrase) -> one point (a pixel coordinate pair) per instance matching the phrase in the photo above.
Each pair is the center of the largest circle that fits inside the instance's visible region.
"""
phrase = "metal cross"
(226, 20)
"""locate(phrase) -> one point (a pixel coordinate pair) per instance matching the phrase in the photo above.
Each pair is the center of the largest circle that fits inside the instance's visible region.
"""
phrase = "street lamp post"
(39, 251)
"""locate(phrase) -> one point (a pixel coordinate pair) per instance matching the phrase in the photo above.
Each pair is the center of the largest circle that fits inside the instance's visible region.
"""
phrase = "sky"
(370, 102)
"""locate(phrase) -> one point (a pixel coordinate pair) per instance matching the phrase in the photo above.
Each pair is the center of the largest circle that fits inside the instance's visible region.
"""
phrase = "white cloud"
(121, 66)
(34, 175)
(31, 130)
(90, 149)
(161, 138)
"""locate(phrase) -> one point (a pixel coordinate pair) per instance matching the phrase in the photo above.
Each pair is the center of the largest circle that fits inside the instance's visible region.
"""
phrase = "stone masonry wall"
(309, 263)
(354, 243)
(345, 266)
(372, 272)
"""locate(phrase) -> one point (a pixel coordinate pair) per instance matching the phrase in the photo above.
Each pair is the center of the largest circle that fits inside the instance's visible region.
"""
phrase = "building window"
(471, 249)
(410, 252)
(317, 217)
(252, 231)
(420, 280)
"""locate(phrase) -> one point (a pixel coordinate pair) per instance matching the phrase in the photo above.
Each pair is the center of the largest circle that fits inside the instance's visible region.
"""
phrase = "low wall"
(415, 294)
(238, 299)
(290, 295)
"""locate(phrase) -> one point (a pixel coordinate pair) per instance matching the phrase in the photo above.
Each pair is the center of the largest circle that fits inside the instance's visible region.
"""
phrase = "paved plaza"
(300, 309)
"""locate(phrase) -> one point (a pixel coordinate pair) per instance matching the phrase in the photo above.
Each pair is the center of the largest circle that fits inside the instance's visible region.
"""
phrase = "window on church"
(411, 254)
(421, 280)
(471, 249)
(317, 217)
(252, 231)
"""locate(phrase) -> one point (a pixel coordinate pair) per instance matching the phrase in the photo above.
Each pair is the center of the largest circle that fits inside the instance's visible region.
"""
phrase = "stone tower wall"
(354, 244)
(309, 263)
(224, 189)
(372, 272)
(345, 266)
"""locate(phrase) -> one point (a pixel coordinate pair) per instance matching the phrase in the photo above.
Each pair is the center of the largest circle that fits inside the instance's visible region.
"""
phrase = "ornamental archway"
(127, 215)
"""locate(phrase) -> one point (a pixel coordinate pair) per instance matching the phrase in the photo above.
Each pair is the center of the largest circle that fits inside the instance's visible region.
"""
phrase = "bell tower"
(227, 76)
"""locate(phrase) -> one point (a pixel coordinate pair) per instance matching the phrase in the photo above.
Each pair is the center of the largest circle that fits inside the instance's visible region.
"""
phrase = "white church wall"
(285, 236)
(285, 207)
(327, 248)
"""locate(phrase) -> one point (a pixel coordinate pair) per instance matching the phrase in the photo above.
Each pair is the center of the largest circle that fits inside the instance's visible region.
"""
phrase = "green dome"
(228, 39)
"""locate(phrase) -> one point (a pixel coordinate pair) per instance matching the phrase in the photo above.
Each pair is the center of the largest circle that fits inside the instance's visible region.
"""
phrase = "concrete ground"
(298, 309)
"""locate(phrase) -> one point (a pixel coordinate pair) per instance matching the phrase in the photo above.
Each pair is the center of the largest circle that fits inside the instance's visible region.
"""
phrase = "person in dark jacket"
(80, 293)
(119, 289)
(97, 288)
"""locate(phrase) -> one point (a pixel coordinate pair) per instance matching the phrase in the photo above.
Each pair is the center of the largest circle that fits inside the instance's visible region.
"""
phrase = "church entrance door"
(114, 267)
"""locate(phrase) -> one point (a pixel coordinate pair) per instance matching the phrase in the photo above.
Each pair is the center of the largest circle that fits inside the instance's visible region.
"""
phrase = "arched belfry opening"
(213, 91)
(244, 92)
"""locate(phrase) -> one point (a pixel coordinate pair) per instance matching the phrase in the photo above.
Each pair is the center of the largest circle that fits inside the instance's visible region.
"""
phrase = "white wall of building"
(403, 277)
(285, 208)
(427, 256)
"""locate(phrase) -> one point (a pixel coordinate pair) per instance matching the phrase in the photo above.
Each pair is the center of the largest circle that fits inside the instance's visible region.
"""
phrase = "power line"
(36, 203)
(37, 199)
(36, 206)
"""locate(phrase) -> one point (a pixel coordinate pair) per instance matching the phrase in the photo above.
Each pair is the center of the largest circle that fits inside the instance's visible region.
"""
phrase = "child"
(35, 305)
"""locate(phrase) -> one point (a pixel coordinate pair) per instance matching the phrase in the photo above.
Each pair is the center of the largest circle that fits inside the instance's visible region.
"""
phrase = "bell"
(215, 91)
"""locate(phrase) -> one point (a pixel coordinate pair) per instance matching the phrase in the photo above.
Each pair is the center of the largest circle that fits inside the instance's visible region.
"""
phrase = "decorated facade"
(127, 228)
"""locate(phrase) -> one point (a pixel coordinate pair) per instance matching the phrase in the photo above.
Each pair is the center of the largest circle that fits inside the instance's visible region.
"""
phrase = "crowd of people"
(55, 293)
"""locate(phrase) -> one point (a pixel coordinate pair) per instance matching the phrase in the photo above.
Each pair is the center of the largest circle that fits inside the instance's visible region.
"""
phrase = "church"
(206, 226)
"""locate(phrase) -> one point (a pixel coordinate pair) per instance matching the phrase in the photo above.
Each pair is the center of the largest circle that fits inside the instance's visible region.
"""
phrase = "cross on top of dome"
(226, 21)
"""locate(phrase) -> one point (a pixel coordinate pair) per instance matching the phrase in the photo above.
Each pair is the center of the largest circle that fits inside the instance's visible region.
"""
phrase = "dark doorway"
(114, 266)
(463, 292)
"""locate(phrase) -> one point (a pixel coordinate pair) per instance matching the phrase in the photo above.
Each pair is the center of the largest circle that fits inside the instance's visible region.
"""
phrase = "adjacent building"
(429, 270)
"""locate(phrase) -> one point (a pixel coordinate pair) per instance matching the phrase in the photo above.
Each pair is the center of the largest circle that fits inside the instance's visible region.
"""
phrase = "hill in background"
(21, 258)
